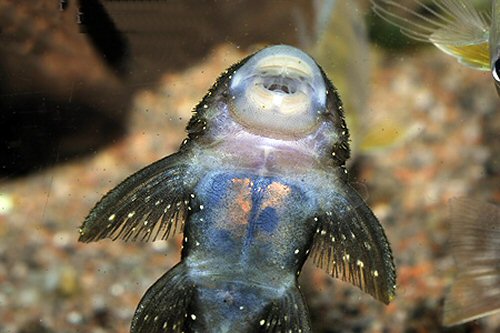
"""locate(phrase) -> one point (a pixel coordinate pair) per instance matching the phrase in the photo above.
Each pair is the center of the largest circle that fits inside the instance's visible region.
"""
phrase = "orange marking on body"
(243, 199)
(276, 194)
(240, 207)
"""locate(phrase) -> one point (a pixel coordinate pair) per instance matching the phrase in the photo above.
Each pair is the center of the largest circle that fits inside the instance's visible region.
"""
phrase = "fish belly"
(250, 223)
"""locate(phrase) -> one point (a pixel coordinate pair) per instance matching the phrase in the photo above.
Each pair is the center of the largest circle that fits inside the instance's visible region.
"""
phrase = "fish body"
(475, 246)
(257, 187)
(246, 248)
(453, 26)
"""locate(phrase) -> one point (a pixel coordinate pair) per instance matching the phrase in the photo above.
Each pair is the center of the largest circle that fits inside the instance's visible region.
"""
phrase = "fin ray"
(164, 306)
(350, 244)
(287, 314)
(151, 204)
(455, 27)
(475, 246)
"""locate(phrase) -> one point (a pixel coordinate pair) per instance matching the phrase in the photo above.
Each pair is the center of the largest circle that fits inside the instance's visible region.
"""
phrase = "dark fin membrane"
(475, 245)
(287, 314)
(149, 205)
(350, 244)
(102, 32)
(164, 307)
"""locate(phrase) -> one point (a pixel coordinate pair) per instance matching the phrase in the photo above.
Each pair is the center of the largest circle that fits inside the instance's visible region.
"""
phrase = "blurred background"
(91, 91)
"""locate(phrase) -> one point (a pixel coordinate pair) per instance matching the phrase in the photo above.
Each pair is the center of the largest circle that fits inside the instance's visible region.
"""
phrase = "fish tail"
(475, 244)
(165, 305)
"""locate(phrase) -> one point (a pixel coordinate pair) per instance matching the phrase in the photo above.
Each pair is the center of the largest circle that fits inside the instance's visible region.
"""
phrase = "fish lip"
(279, 90)
(283, 73)
(283, 62)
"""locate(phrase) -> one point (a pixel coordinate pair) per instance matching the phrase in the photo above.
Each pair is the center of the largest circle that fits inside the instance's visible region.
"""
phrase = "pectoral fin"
(151, 204)
(350, 244)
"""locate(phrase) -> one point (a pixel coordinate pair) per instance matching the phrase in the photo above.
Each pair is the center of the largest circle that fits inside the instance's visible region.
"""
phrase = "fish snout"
(280, 90)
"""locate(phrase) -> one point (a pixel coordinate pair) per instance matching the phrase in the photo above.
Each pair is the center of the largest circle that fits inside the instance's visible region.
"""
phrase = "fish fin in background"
(287, 314)
(475, 245)
(384, 132)
(149, 205)
(453, 26)
(350, 244)
(102, 32)
(341, 46)
(165, 305)
(309, 37)
(342, 49)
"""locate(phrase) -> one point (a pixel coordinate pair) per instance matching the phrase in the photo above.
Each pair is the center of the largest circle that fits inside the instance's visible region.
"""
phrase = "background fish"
(453, 26)
(259, 184)
(475, 245)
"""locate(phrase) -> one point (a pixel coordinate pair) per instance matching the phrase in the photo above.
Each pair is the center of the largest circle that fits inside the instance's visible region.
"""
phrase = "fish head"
(279, 91)
(277, 101)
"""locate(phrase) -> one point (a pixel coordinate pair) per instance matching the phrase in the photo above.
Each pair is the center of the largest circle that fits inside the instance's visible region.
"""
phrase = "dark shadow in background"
(39, 132)
(163, 36)
(64, 93)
